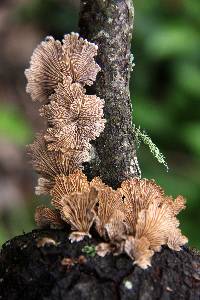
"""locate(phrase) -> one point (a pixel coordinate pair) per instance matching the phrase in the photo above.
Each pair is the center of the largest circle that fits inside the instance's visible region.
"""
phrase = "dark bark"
(29, 272)
(109, 23)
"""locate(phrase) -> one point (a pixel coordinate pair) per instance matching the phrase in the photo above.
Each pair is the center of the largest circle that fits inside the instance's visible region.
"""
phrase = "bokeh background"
(165, 89)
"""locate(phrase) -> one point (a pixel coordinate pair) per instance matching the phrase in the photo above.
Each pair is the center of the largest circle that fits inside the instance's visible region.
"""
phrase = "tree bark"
(109, 24)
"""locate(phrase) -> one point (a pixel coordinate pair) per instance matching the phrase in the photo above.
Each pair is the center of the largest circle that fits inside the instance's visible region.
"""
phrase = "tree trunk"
(109, 24)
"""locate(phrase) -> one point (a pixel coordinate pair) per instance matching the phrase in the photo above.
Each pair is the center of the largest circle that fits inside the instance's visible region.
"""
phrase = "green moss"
(89, 250)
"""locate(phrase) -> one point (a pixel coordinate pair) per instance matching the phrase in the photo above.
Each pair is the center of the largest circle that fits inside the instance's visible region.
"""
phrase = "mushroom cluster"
(137, 218)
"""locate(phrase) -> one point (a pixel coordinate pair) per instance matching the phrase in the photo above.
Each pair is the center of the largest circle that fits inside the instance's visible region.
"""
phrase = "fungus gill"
(137, 218)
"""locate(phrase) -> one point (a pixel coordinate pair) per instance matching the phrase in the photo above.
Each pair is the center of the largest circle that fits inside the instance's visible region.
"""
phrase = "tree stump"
(31, 271)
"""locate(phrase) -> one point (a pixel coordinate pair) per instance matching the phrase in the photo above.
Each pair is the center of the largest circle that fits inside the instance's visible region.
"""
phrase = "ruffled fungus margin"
(138, 218)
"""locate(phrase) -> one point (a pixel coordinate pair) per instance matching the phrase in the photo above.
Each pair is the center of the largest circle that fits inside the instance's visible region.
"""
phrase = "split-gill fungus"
(137, 218)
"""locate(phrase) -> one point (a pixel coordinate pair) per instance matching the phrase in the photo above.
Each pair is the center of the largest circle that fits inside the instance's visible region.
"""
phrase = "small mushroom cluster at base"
(145, 219)
(137, 218)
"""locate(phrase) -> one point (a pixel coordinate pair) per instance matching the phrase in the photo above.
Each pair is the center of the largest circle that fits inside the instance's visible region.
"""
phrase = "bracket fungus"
(137, 218)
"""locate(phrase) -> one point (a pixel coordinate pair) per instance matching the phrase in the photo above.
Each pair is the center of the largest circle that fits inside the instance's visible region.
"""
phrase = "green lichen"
(132, 62)
(141, 136)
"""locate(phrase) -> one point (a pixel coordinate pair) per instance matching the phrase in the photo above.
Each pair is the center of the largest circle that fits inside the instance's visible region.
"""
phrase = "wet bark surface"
(109, 24)
(31, 271)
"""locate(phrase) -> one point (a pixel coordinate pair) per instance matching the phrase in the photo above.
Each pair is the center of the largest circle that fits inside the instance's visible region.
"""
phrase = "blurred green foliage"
(165, 89)
(51, 16)
(14, 125)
